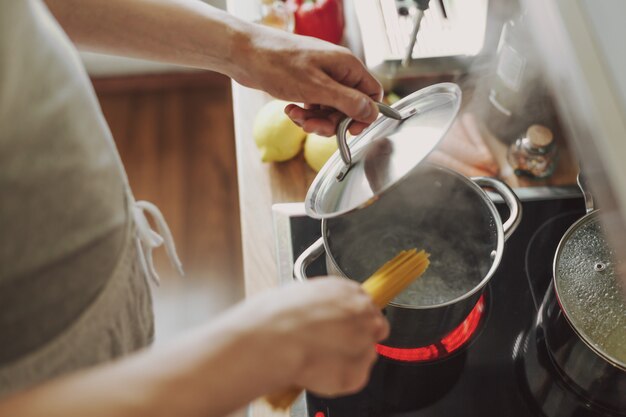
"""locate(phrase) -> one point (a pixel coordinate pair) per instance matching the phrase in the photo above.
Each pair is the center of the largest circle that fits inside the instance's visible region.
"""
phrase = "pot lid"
(384, 153)
(589, 291)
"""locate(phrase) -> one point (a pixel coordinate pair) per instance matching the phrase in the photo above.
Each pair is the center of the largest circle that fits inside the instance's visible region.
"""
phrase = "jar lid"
(588, 289)
(368, 164)
(540, 136)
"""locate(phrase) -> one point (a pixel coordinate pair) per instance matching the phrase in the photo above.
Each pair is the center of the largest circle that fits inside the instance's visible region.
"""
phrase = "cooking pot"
(445, 213)
(584, 313)
(375, 200)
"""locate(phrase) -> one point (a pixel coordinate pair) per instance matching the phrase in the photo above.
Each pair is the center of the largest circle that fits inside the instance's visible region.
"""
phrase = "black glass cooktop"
(481, 378)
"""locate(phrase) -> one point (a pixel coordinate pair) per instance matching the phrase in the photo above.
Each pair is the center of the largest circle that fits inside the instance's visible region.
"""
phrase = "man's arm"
(192, 33)
(185, 32)
(209, 373)
(319, 335)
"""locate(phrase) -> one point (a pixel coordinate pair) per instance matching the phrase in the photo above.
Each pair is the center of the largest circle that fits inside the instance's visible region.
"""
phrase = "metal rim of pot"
(592, 214)
(503, 230)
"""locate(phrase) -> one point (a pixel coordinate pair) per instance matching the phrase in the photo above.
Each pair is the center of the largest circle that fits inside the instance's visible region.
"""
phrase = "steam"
(432, 209)
(530, 101)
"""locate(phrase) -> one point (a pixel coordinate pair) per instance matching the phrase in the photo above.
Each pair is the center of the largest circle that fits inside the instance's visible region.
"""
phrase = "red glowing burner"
(449, 344)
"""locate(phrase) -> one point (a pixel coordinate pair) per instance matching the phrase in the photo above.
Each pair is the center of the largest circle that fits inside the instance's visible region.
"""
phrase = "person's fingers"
(363, 334)
(314, 119)
(340, 374)
(296, 113)
(351, 72)
(357, 372)
(347, 100)
(311, 120)
(381, 328)
(351, 102)
(293, 109)
(373, 323)
(300, 115)
(334, 116)
(322, 127)
(331, 115)
(357, 127)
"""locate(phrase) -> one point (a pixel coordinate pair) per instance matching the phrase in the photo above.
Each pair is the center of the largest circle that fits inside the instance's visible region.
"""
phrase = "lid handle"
(342, 140)
(584, 187)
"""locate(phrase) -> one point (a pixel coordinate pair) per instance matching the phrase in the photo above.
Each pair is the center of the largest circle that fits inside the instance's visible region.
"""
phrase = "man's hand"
(324, 331)
(330, 80)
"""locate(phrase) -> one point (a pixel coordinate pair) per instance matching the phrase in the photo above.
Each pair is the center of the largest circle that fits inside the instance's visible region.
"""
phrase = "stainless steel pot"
(437, 209)
(584, 313)
(592, 377)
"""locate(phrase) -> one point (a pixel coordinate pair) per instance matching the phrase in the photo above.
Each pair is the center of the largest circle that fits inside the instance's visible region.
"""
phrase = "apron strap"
(148, 239)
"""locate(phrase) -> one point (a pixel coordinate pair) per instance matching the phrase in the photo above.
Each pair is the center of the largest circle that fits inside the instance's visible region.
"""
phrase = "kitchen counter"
(260, 186)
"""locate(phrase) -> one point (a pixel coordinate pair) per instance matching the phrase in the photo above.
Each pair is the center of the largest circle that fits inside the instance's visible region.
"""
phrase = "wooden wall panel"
(175, 135)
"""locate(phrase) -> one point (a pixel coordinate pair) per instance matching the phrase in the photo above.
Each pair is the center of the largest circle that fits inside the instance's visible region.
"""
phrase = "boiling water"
(442, 216)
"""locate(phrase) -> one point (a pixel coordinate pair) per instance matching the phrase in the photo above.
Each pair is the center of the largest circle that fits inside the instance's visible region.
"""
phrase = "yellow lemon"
(317, 150)
(276, 136)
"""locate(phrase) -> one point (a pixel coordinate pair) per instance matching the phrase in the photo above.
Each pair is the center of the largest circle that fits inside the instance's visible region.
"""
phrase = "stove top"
(484, 377)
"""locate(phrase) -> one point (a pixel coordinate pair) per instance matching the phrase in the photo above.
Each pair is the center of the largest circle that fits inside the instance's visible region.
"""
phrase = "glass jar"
(534, 155)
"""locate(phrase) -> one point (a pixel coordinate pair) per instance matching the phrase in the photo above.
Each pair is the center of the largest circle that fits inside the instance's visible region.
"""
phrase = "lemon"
(276, 136)
(391, 98)
(317, 150)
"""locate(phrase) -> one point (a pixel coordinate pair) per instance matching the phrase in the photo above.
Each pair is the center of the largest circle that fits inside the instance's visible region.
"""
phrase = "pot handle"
(510, 199)
(306, 258)
(342, 138)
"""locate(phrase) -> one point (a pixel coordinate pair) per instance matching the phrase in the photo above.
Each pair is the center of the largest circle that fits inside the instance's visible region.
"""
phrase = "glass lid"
(589, 290)
(384, 153)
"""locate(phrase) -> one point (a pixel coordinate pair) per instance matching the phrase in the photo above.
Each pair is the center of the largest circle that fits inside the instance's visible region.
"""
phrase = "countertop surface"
(260, 186)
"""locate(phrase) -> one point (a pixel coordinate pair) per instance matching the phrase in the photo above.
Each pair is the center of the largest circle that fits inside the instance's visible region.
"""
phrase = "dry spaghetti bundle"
(395, 275)
(387, 282)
